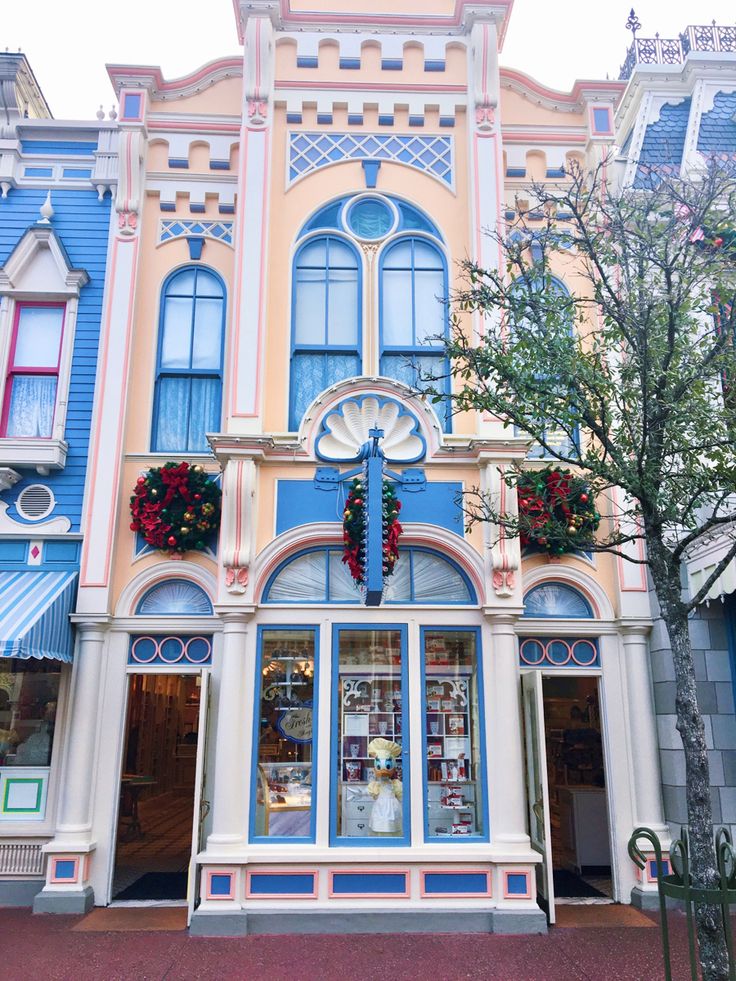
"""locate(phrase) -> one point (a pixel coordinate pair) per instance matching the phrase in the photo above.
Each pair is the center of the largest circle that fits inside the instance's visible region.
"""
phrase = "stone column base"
(70, 901)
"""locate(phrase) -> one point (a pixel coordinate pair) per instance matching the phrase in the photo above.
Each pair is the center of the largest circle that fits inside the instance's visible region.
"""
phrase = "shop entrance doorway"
(566, 786)
(161, 803)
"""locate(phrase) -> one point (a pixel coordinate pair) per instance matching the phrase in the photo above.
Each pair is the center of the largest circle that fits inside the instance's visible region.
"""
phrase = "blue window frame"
(453, 735)
(556, 600)
(414, 315)
(285, 735)
(188, 394)
(370, 696)
(319, 575)
(326, 319)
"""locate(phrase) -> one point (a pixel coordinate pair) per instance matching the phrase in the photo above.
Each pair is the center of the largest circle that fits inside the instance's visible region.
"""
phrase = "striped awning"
(34, 614)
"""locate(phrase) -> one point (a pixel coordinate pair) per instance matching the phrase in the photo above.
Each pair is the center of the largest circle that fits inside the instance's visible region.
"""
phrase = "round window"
(370, 218)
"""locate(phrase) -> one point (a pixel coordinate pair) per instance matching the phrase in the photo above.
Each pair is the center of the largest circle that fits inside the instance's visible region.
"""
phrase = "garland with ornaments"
(176, 507)
(354, 529)
(556, 510)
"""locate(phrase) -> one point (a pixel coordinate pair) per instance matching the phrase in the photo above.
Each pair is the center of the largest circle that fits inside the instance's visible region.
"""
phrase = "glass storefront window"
(370, 782)
(285, 735)
(29, 694)
(453, 740)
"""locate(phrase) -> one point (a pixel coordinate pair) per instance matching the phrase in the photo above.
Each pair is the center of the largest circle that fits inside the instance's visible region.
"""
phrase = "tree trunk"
(711, 938)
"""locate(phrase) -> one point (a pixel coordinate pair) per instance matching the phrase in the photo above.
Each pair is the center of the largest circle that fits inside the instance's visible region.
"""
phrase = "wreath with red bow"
(556, 510)
(353, 529)
(176, 507)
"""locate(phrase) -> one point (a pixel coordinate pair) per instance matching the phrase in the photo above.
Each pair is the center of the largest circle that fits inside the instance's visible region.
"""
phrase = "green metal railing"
(678, 885)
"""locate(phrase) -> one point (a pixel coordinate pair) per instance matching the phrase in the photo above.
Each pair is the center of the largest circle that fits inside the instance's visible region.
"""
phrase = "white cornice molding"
(37, 238)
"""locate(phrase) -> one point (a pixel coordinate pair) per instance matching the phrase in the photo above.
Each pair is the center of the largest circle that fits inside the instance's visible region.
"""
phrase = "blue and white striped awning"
(34, 614)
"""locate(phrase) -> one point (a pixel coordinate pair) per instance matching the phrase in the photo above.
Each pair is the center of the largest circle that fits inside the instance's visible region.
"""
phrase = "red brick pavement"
(47, 948)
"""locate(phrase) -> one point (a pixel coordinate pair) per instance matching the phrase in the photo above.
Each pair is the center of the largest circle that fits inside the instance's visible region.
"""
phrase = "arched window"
(414, 323)
(326, 319)
(320, 576)
(556, 600)
(175, 597)
(188, 395)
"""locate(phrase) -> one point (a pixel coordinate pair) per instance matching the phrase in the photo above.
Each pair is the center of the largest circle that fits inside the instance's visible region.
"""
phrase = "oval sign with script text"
(296, 725)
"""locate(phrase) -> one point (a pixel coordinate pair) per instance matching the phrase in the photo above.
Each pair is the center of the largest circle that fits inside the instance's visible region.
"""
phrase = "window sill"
(43, 454)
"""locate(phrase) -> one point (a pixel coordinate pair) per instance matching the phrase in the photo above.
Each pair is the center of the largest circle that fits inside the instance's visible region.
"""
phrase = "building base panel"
(64, 902)
(19, 892)
(346, 921)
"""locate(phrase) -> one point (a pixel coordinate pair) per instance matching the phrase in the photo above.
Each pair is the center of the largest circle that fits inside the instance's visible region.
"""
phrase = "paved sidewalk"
(49, 948)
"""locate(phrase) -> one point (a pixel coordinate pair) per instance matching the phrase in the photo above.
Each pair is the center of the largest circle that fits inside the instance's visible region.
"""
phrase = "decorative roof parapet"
(673, 51)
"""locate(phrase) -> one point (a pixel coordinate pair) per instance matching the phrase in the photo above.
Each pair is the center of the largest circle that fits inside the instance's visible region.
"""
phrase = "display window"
(285, 735)
(370, 779)
(29, 695)
(454, 785)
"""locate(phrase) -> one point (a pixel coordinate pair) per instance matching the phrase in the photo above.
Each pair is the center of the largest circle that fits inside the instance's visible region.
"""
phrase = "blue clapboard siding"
(82, 223)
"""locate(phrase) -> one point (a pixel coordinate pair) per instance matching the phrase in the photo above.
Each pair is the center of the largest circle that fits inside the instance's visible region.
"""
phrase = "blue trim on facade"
(257, 681)
(221, 883)
(65, 868)
(58, 148)
(350, 64)
(392, 64)
(307, 61)
(381, 841)
(517, 883)
(485, 835)
(434, 65)
(81, 224)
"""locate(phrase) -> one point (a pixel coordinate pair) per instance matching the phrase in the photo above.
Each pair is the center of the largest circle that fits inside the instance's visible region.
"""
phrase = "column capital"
(235, 616)
(633, 627)
(502, 618)
(87, 623)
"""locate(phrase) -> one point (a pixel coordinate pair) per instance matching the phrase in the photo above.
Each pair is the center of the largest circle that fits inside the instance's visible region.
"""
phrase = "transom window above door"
(350, 251)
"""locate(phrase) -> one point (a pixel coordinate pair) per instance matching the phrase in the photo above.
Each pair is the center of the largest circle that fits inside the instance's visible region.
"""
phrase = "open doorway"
(579, 831)
(157, 788)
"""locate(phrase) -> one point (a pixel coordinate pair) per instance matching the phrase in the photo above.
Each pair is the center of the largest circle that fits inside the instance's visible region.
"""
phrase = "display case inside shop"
(452, 718)
(370, 708)
(283, 775)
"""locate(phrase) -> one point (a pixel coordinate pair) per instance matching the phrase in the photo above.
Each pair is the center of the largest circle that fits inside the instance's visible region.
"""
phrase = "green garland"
(353, 529)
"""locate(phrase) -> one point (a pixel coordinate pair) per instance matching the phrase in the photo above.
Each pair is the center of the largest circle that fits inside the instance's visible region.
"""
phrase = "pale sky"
(68, 42)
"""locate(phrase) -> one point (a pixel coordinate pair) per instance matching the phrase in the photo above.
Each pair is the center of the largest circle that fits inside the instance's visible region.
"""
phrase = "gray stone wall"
(709, 637)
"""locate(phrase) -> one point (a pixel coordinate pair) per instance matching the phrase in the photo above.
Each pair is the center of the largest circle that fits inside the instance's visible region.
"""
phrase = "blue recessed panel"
(65, 869)
(281, 884)
(369, 883)
(517, 884)
(64, 148)
(462, 883)
(221, 884)
(13, 551)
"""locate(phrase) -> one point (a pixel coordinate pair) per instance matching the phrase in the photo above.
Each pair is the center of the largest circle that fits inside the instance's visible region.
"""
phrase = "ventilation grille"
(35, 502)
(16, 859)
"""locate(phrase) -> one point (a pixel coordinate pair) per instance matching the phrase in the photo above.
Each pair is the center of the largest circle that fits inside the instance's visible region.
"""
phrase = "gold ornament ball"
(184, 530)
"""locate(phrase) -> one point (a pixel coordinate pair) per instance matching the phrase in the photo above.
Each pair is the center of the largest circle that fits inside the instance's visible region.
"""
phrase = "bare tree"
(633, 367)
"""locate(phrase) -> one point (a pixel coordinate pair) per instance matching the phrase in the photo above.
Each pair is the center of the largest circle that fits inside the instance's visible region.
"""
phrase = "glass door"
(201, 804)
(370, 778)
(537, 786)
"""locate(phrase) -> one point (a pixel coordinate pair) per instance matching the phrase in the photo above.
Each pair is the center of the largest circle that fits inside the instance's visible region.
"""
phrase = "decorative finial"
(633, 24)
(100, 113)
(113, 114)
(47, 211)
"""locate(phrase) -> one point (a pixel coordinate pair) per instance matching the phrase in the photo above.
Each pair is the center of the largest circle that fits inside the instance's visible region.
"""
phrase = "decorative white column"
(507, 794)
(67, 889)
(230, 804)
(648, 808)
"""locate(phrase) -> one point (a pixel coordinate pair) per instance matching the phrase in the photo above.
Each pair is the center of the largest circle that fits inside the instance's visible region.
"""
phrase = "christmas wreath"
(556, 510)
(176, 507)
(353, 529)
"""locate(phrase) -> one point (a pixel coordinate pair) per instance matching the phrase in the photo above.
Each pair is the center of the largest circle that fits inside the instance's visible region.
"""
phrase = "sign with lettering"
(296, 725)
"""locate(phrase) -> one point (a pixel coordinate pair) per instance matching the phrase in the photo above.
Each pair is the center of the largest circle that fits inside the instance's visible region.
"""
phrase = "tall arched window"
(326, 318)
(188, 397)
(413, 291)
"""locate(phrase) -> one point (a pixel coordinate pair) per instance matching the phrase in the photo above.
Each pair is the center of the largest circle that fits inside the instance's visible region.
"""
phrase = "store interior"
(580, 837)
(154, 831)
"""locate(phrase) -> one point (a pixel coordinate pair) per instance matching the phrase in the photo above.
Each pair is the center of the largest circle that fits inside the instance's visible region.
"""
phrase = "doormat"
(115, 919)
(613, 915)
(568, 885)
(157, 885)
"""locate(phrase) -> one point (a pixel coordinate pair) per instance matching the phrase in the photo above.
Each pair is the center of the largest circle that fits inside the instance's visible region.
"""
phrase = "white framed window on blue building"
(188, 393)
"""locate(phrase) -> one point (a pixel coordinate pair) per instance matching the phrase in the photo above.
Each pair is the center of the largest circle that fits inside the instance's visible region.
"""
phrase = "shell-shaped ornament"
(345, 430)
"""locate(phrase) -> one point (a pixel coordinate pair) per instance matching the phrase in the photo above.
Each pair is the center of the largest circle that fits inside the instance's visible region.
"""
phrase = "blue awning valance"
(34, 614)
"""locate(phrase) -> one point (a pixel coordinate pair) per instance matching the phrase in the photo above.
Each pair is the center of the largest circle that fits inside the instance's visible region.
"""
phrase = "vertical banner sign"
(374, 523)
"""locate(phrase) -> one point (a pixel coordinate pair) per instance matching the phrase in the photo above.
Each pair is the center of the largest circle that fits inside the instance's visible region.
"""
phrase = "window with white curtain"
(188, 396)
(33, 370)
(326, 319)
(421, 576)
